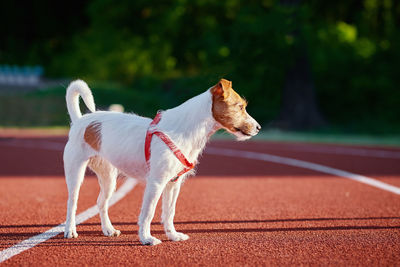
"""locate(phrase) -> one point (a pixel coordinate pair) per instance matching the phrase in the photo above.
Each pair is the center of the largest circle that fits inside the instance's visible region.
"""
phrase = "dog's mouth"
(241, 131)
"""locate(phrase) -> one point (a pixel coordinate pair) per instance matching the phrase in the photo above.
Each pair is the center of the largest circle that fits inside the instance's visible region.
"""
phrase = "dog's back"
(111, 136)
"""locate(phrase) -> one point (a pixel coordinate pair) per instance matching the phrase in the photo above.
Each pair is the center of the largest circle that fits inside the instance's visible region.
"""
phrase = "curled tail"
(75, 89)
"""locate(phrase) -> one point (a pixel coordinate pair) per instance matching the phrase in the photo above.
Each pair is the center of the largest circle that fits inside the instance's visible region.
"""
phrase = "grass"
(274, 135)
(266, 135)
(45, 111)
(33, 131)
(47, 107)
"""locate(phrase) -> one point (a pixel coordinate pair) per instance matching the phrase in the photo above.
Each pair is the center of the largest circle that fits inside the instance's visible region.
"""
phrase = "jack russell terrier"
(112, 142)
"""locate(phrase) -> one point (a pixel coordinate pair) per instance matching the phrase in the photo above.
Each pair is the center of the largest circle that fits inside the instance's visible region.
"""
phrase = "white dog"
(111, 142)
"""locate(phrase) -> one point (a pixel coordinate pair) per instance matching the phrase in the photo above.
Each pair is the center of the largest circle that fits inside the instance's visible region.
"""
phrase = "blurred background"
(304, 66)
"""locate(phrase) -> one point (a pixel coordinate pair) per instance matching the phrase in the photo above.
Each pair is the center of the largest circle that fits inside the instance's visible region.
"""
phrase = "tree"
(299, 110)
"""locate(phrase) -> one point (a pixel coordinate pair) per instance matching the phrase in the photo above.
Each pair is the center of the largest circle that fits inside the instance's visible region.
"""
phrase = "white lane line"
(5, 254)
(375, 153)
(303, 164)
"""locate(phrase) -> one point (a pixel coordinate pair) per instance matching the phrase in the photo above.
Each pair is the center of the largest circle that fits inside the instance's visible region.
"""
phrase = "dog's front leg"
(170, 195)
(152, 194)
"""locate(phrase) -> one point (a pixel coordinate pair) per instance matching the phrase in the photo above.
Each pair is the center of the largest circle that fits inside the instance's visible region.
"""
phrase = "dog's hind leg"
(170, 196)
(74, 166)
(107, 176)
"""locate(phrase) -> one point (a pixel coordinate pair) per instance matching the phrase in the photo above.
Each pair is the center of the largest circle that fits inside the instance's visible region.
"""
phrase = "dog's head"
(229, 110)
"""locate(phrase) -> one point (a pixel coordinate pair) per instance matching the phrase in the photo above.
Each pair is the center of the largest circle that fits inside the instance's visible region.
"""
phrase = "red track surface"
(236, 211)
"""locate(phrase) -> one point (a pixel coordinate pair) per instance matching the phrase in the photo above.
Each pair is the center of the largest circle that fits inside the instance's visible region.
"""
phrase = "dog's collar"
(165, 138)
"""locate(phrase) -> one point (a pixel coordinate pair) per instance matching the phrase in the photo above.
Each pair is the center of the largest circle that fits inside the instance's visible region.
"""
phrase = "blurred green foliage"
(169, 51)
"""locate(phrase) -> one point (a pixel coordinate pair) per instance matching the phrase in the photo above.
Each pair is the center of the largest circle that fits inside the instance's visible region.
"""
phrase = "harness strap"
(165, 138)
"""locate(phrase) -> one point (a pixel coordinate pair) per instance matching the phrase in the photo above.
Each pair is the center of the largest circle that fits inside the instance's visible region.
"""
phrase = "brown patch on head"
(92, 135)
(228, 108)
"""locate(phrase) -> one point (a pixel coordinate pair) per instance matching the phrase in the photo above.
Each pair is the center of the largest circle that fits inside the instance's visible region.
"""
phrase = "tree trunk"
(299, 110)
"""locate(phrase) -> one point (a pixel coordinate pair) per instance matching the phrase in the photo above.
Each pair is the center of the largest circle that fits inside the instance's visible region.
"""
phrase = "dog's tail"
(75, 89)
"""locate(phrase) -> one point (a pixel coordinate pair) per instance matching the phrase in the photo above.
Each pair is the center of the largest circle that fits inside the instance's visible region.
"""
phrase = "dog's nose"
(258, 127)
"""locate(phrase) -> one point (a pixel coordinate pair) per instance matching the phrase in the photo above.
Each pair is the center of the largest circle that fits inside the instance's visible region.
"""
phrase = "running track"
(274, 204)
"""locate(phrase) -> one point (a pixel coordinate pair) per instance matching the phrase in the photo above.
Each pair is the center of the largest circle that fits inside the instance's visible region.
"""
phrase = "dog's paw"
(176, 236)
(151, 241)
(70, 234)
(111, 232)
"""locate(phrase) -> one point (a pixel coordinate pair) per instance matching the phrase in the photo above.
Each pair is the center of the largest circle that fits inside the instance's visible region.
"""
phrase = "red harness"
(178, 154)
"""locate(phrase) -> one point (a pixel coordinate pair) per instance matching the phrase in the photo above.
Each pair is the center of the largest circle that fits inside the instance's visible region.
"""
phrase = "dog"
(162, 152)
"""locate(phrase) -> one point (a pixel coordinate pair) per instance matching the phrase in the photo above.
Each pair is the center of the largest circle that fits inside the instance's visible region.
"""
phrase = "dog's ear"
(222, 88)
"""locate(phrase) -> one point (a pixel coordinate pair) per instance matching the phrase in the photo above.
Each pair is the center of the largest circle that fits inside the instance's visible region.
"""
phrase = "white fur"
(76, 89)
(122, 149)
